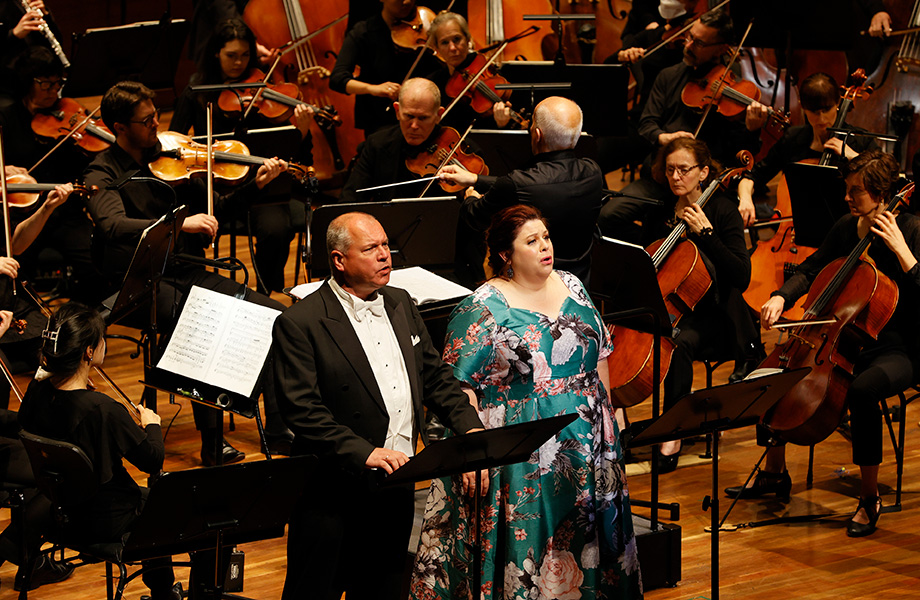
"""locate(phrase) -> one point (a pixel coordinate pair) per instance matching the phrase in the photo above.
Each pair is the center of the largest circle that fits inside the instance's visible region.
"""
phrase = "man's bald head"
(557, 124)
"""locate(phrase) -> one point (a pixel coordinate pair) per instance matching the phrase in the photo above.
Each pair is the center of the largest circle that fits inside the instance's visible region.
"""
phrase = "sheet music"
(220, 340)
(423, 285)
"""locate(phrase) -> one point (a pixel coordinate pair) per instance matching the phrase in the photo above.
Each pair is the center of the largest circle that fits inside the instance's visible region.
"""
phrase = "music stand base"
(659, 553)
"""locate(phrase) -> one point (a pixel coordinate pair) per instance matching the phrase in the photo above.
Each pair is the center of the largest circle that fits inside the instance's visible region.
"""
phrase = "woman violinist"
(370, 46)
(449, 35)
(884, 366)
(230, 57)
(819, 95)
(721, 322)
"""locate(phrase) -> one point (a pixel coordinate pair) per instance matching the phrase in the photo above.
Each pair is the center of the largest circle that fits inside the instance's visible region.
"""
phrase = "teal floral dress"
(557, 526)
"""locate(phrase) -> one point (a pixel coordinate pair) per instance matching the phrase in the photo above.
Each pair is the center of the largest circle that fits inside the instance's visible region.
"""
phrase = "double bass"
(850, 301)
(684, 281)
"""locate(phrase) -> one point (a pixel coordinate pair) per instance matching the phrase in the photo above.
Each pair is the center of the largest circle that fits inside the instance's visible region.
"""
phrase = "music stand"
(477, 452)
(192, 510)
(422, 232)
(148, 51)
(817, 195)
(709, 411)
(506, 150)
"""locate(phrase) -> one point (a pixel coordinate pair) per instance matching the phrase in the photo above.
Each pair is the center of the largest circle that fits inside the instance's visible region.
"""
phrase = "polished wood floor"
(805, 560)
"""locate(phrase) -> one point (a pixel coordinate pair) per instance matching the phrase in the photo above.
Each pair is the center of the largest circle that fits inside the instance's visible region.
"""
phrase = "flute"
(49, 35)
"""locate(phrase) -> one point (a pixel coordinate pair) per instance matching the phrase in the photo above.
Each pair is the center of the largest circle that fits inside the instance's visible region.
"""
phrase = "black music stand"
(477, 452)
(421, 232)
(203, 509)
(709, 411)
(817, 197)
(148, 51)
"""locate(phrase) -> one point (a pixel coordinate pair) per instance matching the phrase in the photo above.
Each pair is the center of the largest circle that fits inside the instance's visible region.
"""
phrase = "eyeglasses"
(689, 38)
(45, 84)
(682, 171)
(150, 120)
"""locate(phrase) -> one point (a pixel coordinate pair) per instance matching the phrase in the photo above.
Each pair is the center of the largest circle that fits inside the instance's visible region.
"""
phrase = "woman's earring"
(510, 272)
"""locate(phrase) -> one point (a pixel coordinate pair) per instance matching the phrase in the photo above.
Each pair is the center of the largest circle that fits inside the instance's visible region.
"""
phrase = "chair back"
(62, 470)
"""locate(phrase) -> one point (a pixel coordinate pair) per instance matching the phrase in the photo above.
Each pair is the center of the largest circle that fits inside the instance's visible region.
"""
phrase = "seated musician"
(59, 405)
(566, 188)
(449, 35)
(39, 78)
(230, 57)
(721, 322)
(383, 157)
(369, 45)
(884, 366)
(666, 118)
(120, 215)
(820, 96)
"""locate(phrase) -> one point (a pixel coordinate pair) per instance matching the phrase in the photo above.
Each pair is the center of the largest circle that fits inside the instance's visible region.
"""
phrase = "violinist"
(120, 215)
(229, 58)
(565, 187)
(370, 46)
(666, 118)
(40, 79)
(449, 35)
(819, 95)
(721, 323)
(884, 366)
(59, 404)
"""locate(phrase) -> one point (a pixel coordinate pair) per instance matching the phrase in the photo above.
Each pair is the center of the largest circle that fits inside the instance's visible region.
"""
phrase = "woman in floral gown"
(527, 345)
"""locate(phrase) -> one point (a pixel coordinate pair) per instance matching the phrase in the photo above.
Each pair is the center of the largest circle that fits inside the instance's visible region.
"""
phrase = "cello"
(683, 280)
(849, 301)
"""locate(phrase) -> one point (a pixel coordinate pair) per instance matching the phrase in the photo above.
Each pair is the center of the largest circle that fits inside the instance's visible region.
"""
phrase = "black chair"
(904, 398)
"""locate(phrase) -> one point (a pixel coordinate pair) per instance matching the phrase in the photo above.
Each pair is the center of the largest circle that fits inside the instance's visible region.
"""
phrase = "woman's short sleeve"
(469, 345)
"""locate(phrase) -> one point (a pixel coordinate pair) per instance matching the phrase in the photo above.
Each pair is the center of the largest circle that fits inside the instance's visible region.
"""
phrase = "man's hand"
(771, 311)
(148, 417)
(755, 115)
(9, 267)
(665, 138)
(501, 111)
(200, 223)
(880, 25)
(630, 55)
(457, 175)
(388, 460)
(269, 170)
(58, 195)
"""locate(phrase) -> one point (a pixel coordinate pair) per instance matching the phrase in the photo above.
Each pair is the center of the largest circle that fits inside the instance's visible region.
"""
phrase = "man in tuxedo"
(353, 364)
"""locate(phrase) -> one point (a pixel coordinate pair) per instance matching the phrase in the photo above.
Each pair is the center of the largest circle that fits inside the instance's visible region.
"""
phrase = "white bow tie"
(374, 307)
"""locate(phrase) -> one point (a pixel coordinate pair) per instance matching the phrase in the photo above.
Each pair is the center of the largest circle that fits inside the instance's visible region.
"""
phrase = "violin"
(180, 159)
(23, 190)
(68, 118)
(482, 95)
(412, 34)
(443, 150)
(276, 102)
(850, 301)
(728, 95)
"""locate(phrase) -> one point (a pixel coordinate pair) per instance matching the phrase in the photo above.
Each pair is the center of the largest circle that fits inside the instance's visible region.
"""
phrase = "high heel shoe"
(667, 464)
(779, 484)
(873, 508)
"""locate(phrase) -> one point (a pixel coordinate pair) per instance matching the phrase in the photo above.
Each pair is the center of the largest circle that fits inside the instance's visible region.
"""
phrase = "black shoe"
(173, 593)
(230, 455)
(779, 484)
(667, 464)
(873, 508)
(46, 570)
(279, 445)
(744, 367)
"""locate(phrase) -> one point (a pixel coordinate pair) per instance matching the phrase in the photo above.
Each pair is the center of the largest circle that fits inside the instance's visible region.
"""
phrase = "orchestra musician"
(369, 45)
(19, 31)
(449, 35)
(884, 366)
(353, 364)
(721, 323)
(819, 95)
(230, 57)
(564, 187)
(120, 215)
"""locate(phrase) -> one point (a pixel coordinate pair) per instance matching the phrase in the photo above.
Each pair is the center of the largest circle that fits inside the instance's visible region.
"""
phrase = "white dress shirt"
(375, 332)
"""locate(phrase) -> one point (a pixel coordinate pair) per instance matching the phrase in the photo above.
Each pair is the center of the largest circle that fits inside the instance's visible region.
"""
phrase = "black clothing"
(207, 14)
(382, 160)
(885, 366)
(665, 113)
(370, 46)
(565, 188)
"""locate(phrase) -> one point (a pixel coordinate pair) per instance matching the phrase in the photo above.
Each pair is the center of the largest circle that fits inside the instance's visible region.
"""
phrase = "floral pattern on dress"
(557, 526)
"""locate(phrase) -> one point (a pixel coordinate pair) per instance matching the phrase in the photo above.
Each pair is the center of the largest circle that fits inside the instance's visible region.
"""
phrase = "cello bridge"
(801, 339)
(904, 63)
(304, 76)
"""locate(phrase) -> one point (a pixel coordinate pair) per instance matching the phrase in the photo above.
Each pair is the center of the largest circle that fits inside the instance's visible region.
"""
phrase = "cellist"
(884, 367)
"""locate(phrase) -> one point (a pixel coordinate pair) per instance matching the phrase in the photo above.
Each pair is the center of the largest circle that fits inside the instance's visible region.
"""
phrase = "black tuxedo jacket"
(327, 392)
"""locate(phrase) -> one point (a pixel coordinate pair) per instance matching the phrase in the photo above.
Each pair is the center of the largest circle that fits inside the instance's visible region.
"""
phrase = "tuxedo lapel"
(343, 335)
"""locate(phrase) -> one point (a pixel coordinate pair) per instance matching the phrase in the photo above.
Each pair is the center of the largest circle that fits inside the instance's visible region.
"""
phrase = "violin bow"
(449, 156)
(73, 131)
(684, 29)
(7, 235)
(294, 44)
(211, 164)
(721, 82)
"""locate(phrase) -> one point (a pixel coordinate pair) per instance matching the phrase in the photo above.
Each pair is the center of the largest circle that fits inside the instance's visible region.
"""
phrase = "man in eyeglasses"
(122, 213)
